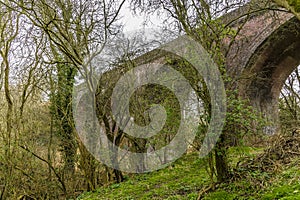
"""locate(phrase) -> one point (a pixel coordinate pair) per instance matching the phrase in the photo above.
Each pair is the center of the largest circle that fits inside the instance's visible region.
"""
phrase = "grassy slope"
(187, 176)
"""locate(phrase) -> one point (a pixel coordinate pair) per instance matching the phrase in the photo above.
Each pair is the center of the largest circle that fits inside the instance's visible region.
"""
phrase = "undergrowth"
(269, 173)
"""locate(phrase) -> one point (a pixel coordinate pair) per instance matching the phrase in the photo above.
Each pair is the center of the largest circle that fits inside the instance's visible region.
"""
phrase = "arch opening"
(289, 103)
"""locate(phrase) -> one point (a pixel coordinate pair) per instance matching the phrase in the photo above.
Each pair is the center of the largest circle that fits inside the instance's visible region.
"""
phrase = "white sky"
(130, 22)
(133, 22)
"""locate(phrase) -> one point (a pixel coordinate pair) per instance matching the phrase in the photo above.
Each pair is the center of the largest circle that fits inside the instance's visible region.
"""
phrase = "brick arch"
(263, 55)
(268, 68)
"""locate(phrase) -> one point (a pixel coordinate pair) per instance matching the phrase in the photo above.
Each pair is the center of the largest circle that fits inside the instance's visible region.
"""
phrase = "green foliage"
(242, 119)
(184, 180)
(150, 95)
(61, 110)
(283, 192)
(221, 195)
(181, 180)
(295, 4)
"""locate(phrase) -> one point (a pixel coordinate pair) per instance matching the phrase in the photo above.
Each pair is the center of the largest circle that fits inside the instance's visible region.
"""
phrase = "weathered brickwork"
(261, 58)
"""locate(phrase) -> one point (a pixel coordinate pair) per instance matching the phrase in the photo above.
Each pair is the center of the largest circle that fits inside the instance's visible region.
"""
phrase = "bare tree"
(77, 31)
(289, 103)
(206, 22)
(9, 28)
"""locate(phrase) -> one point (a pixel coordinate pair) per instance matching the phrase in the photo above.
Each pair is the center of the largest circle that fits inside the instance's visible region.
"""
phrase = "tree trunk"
(118, 176)
(221, 160)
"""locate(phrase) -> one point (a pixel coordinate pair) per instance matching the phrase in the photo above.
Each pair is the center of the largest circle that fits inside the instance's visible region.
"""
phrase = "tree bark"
(221, 160)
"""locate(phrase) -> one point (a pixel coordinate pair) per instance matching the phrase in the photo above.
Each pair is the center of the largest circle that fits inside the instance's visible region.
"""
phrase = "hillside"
(187, 177)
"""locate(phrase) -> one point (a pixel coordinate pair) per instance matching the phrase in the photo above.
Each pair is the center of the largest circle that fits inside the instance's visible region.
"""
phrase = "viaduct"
(263, 55)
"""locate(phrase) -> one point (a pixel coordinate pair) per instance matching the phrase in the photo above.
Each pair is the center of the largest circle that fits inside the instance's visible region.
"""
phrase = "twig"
(63, 187)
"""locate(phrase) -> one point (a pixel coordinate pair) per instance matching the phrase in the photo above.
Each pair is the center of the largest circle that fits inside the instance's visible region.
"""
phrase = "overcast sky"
(133, 22)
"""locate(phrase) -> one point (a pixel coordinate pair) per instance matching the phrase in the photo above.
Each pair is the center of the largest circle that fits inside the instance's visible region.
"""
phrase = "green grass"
(181, 180)
(286, 186)
(187, 176)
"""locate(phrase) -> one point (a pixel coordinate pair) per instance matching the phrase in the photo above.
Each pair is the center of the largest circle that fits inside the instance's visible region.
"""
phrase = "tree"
(23, 78)
(289, 102)
(9, 28)
(121, 52)
(203, 22)
(61, 99)
(75, 33)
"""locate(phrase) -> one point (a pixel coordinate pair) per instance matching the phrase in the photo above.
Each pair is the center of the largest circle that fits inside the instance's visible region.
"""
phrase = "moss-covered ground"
(187, 177)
